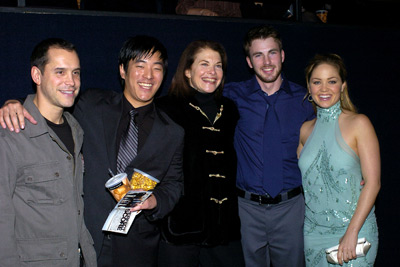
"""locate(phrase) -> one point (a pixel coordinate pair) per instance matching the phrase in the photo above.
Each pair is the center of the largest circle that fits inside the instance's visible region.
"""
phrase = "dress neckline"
(329, 114)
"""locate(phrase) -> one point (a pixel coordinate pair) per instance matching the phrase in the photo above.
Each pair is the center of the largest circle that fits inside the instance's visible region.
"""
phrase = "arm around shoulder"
(13, 114)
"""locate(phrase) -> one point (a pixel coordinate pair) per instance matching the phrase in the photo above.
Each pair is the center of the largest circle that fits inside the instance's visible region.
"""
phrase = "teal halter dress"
(331, 173)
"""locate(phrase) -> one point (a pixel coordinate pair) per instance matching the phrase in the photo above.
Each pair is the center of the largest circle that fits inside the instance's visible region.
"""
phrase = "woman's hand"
(347, 247)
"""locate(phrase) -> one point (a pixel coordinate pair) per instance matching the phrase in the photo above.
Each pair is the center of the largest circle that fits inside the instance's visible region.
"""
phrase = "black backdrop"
(371, 55)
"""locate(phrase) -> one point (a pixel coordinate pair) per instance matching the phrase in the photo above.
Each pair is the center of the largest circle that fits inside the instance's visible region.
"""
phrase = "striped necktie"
(128, 145)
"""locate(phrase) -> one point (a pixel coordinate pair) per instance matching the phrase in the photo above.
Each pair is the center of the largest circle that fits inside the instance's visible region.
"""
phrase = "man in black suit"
(104, 117)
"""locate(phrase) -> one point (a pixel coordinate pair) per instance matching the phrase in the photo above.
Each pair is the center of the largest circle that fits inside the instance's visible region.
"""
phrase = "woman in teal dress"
(337, 151)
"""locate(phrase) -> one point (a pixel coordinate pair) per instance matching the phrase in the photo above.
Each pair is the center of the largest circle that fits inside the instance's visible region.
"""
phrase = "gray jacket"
(41, 205)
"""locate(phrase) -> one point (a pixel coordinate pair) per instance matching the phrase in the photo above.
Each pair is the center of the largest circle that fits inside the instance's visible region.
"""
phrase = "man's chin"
(147, 99)
(68, 104)
(268, 79)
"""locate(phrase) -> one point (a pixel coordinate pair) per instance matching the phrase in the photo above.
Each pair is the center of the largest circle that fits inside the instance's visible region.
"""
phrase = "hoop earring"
(309, 98)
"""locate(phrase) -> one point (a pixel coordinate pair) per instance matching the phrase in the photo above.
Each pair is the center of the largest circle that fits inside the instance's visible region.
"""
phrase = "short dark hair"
(180, 83)
(39, 56)
(141, 46)
(261, 32)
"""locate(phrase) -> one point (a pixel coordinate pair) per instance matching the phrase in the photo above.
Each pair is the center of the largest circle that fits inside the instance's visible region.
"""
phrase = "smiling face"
(325, 85)
(143, 78)
(59, 83)
(266, 58)
(206, 72)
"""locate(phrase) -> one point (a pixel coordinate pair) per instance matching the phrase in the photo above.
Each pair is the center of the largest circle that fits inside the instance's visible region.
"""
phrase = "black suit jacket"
(99, 113)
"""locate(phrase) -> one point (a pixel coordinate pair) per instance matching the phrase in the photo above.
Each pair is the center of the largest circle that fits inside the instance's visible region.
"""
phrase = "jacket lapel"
(158, 133)
(111, 117)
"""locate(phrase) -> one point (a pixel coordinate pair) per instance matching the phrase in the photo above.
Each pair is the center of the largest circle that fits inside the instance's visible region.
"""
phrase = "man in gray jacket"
(41, 205)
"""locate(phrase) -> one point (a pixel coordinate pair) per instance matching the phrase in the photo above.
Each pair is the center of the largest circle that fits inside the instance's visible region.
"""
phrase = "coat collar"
(111, 115)
(42, 128)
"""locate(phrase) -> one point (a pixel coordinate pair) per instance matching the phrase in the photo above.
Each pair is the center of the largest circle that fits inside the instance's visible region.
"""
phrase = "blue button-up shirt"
(292, 110)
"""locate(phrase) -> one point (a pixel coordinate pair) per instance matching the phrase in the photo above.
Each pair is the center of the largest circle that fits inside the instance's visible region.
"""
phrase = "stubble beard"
(270, 78)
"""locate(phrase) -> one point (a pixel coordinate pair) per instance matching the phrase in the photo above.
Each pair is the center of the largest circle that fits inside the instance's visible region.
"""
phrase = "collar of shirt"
(144, 119)
(142, 112)
(255, 87)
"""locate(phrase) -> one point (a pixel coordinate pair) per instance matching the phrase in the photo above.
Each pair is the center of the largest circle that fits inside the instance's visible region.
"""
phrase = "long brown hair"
(180, 83)
(337, 62)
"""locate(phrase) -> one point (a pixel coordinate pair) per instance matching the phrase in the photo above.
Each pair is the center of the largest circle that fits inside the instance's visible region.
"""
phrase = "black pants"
(230, 255)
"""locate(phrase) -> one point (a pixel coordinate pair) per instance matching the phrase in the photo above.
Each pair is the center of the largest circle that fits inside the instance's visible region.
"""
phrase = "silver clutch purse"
(361, 250)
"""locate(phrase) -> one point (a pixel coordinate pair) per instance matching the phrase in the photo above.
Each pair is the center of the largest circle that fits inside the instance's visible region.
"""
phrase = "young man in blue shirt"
(272, 110)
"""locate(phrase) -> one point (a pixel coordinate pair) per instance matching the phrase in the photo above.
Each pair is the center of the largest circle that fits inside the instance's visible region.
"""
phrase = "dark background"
(371, 54)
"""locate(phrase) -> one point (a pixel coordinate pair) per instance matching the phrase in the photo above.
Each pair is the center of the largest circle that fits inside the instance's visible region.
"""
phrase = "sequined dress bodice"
(331, 173)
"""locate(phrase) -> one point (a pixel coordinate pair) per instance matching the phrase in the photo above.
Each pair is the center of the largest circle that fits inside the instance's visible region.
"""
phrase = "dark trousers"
(138, 248)
(272, 234)
(229, 255)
